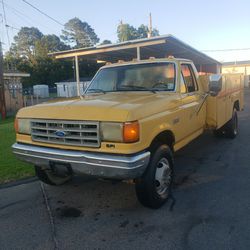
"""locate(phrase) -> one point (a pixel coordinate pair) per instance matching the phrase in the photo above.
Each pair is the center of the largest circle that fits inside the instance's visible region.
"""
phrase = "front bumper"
(96, 164)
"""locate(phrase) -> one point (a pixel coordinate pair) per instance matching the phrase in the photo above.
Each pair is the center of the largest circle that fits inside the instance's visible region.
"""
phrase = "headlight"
(120, 132)
(22, 126)
(112, 131)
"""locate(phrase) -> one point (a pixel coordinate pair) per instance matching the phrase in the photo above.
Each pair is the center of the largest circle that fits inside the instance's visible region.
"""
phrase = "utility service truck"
(128, 124)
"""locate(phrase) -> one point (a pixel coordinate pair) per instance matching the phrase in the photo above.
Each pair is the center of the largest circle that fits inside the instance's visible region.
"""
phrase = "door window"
(183, 86)
(189, 78)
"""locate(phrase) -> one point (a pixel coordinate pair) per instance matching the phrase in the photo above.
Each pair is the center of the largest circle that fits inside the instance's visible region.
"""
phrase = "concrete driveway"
(210, 208)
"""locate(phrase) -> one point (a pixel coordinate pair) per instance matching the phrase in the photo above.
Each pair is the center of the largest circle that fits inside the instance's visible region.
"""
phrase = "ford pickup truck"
(128, 124)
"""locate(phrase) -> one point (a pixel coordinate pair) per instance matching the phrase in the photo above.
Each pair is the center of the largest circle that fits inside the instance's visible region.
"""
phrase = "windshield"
(137, 77)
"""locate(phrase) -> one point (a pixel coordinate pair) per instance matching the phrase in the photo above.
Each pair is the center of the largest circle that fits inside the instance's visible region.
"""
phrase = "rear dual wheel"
(230, 129)
(232, 126)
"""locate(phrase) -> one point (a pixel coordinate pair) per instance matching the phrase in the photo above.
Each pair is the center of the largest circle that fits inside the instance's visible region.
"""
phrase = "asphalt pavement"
(210, 208)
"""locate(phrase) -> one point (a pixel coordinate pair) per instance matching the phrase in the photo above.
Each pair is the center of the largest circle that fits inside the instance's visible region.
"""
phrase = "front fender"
(153, 126)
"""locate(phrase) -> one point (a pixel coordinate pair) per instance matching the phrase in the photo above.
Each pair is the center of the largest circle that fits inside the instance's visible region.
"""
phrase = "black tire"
(51, 178)
(231, 129)
(148, 187)
(219, 132)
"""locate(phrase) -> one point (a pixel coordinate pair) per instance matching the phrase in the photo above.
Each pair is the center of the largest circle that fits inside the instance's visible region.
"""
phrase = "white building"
(41, 90)
(242, 67)
(69, 89)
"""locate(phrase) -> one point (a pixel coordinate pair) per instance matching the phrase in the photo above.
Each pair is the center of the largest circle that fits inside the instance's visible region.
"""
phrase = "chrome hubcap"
(163, 177)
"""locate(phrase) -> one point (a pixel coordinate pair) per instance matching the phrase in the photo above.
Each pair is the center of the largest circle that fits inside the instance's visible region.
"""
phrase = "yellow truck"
(128, 124)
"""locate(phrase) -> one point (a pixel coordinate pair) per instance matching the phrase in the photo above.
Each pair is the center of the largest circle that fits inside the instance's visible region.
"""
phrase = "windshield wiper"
(133, 87)
(96, 91)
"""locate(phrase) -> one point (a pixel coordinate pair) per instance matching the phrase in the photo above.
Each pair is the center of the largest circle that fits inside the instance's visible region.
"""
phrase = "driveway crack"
(52, 223)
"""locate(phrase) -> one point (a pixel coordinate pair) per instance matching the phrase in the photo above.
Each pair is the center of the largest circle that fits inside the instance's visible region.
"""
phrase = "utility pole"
(150, 28)
(2, 97)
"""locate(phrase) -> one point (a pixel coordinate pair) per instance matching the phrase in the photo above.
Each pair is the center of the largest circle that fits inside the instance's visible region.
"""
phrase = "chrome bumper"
(96, 164)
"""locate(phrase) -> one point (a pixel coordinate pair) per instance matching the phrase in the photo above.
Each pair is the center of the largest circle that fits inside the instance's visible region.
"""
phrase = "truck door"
(192, 98)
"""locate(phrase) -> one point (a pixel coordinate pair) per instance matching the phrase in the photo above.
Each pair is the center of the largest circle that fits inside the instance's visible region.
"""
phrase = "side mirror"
(215, 84)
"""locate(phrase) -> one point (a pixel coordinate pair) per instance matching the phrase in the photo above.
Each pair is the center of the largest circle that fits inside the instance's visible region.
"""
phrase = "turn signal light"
(131, 131)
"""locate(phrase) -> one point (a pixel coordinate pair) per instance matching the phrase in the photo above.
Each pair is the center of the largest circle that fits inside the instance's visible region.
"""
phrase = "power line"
(25, 18)
(225, 50)
(5, 21)
(20, 15)
(43, 13)
(8, 26)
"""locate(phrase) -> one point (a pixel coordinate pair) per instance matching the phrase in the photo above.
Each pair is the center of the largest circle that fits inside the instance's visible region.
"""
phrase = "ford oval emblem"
(60, 133)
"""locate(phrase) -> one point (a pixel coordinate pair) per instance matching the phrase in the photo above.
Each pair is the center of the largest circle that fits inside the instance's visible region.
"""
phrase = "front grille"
(76, 133)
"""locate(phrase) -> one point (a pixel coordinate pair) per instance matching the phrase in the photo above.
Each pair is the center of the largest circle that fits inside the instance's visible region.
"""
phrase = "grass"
(10, 167)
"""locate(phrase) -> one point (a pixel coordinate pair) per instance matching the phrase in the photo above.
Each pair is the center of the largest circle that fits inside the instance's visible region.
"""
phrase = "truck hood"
(115, 106)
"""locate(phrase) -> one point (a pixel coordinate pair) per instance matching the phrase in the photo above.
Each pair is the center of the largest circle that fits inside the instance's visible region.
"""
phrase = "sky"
(205, 25)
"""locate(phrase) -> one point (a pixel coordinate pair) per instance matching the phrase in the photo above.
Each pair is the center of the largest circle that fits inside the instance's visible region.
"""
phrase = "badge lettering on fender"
(176, 120)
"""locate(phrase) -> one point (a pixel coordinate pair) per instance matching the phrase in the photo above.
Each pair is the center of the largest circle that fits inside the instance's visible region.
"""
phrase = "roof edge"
(131, 42)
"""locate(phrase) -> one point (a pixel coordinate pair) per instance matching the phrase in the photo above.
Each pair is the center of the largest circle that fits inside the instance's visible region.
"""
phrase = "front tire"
(153, 188)
(50, 177)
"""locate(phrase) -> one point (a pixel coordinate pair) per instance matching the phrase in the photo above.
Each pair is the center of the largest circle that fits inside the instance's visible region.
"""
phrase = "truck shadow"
(198, 163)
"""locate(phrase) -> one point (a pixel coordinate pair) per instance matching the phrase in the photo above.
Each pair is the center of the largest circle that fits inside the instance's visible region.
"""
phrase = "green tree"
(47, 44)
(126, 32)
(29, 53)
(24, 43)
(46, 71)
(155, 32)
(142, 31)
(79, 34)
(105, 42)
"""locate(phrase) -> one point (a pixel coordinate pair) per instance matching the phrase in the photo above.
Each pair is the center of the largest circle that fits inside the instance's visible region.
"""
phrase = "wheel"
(52, 177)
(231, 129)
(153, 188)
(219, 132)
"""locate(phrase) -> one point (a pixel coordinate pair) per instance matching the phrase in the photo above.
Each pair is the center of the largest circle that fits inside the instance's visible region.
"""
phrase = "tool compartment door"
(234, 90)
(221, 105)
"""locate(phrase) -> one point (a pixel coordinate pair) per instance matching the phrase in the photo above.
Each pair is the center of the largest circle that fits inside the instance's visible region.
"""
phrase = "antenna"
(150, 26)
